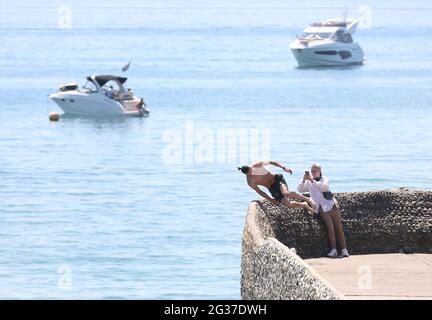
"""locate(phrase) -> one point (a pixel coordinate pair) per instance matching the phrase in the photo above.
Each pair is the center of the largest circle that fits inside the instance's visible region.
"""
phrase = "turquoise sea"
(150, 208)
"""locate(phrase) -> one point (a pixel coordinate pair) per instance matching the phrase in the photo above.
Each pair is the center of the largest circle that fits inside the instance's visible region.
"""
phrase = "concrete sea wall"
(388, 221)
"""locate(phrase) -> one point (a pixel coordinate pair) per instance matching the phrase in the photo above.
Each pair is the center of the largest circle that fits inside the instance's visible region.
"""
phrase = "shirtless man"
(257, 175)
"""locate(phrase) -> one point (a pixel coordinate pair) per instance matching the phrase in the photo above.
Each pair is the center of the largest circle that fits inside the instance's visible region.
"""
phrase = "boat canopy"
(349, 24)
(102, 79)
(330, 24)
(321, 29)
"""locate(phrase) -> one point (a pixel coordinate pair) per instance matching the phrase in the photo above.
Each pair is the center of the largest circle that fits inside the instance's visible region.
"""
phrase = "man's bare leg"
(296, 204)
(293, 195)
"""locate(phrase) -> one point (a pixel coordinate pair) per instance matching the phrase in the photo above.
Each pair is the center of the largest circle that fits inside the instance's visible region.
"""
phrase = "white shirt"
(316, 189)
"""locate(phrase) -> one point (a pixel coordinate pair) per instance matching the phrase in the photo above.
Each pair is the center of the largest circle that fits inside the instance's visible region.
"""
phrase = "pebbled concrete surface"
(378, 276)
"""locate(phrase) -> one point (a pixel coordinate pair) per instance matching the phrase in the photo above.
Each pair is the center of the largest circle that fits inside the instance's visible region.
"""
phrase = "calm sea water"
(93, 208)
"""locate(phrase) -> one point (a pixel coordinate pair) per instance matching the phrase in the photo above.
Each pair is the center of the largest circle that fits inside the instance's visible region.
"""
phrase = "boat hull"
(77, 103)
(328, 55)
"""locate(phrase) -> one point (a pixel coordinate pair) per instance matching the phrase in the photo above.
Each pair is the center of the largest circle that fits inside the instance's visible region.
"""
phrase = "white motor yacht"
(102, 95)
(328, 43)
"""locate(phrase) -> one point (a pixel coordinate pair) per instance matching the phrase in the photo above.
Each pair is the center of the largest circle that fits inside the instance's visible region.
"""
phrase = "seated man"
(257, 175)
(110, 92)
(327, 207)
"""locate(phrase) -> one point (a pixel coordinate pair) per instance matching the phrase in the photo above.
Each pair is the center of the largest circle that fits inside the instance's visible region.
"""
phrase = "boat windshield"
(89, 87)
(315, 35)
(113, 89)
(343, 37)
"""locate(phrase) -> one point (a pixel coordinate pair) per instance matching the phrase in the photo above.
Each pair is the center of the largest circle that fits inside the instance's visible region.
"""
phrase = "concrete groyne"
(375, 222)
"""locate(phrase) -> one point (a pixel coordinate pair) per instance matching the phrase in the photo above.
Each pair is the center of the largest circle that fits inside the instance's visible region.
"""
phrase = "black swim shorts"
(275, 187)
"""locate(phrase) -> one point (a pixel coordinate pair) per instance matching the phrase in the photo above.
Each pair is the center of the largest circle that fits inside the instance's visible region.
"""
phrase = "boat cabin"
(334, 29)
(111, 86)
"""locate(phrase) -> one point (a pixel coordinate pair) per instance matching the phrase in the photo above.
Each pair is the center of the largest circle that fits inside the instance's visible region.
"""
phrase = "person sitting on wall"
(257, 175)
(327, 206)
(110, 92)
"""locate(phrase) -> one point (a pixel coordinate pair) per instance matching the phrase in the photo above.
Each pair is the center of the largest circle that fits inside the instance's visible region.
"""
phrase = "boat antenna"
(345, 12)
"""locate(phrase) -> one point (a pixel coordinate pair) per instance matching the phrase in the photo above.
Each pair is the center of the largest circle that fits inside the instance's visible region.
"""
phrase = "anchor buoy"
(54, 116)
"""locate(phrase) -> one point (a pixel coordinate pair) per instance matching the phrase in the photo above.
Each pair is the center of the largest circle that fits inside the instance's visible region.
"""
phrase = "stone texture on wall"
(387, 221)
(270, 270)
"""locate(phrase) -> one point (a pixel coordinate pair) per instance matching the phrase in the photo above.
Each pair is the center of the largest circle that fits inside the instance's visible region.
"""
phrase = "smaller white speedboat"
(328, 43)
(102, 95)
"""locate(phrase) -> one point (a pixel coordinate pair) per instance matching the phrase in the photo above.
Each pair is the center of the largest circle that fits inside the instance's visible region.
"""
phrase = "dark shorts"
(275, 187)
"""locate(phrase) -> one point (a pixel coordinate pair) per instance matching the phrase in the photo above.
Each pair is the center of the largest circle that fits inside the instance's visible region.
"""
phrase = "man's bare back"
(260, 177)
(257, 175)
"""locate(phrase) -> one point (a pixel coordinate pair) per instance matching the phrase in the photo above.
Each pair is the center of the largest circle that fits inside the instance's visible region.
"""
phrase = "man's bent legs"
(336, 218)
(295, 204)
(325, 216)
(306, 204)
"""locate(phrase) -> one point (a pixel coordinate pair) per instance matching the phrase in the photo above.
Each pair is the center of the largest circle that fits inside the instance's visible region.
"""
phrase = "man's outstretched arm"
(273, 163)
(262, 193)
(280, 165)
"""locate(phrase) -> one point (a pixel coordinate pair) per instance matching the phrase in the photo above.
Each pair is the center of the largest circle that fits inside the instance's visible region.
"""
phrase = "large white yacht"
(102, 95)
(328, 43)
